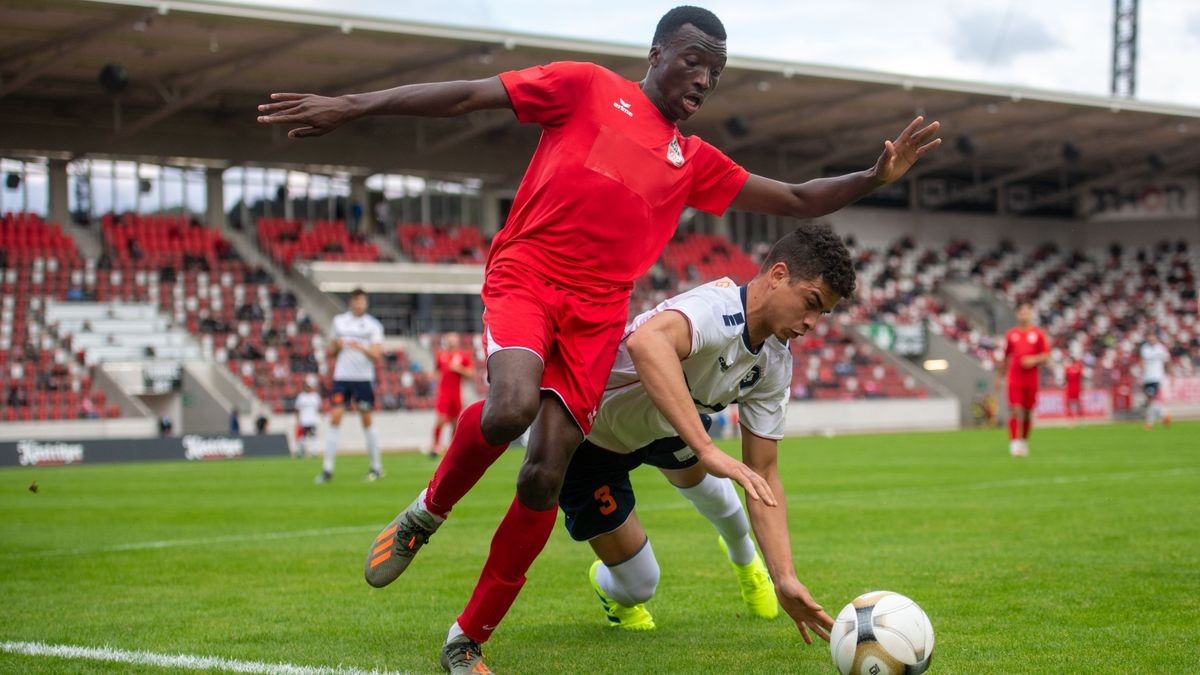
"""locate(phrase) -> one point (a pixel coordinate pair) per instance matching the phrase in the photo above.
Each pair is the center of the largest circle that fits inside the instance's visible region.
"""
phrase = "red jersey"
(1019, 343)
(1074, 376)
(608, 182)
(447, 360)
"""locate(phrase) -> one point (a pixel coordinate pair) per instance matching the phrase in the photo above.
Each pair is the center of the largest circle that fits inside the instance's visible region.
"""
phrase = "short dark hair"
(357, 292)
(811, 251)
(697, 16)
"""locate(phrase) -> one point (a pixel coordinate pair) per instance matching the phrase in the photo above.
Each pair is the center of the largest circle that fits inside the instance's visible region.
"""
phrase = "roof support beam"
(397, 72)
(478, 128)
(1178, 161)
(791, 113)
(213, 77)
(59, 47)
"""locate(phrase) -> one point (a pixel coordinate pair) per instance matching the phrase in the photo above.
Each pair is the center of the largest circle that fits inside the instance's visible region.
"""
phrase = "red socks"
(468, 457)
(1013, 427)
(1027, 427)
(520, 538)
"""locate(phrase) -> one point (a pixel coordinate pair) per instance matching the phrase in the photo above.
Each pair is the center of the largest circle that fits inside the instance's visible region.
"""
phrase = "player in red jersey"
(1073, 374)
(1025, 350)
(453, 364)
(601, 197)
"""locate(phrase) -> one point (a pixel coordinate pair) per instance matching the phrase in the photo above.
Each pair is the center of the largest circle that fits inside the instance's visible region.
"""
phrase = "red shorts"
(449, 402)
(1023, 394)
(575, 337)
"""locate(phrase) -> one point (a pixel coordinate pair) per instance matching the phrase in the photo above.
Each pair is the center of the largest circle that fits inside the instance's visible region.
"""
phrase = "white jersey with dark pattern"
(720, 370)
(353, 365)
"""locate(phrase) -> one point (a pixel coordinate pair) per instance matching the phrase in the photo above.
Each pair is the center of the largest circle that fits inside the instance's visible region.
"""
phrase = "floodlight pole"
(1124, 57)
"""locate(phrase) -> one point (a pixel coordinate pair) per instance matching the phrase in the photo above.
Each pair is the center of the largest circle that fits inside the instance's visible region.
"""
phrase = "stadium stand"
(165, 287)
(1096, 305)
(289, 241)
(40, 378)
(462, 244)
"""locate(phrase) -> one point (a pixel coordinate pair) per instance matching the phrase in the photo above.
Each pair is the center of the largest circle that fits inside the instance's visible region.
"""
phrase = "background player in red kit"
(453, 363)
(1025, 350)
(1073, 374)
(601, 197)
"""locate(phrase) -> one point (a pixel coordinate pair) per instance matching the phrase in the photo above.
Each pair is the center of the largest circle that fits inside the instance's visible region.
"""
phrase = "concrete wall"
(836, 417)
(65, 430)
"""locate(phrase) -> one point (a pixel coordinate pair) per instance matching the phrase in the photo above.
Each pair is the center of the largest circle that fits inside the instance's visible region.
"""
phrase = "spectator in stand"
(87, 409)
(235, 422)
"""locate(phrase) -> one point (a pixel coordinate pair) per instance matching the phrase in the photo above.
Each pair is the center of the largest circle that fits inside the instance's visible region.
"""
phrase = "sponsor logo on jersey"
(32, 453)
(733, 319)
(674, 153)
(751, 378)
(623, 106)
(198, 447)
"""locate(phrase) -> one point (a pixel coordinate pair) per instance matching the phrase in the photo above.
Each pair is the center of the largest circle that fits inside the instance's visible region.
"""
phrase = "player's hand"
(317, 115)
(912, 144)
(795, 599)
(722, 465)
(1029, 361)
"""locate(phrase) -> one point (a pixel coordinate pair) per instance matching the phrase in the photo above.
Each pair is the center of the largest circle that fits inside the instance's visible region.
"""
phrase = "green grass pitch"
(1082, 558)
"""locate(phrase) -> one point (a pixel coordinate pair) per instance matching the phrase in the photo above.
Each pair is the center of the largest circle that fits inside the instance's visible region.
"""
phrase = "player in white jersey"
(308, 415)
(357, 340)
(691, 356)
(1155, 358)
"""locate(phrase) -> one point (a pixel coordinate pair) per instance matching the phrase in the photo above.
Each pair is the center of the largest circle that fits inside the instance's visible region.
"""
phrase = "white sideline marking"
(184, 661)
(198, 541)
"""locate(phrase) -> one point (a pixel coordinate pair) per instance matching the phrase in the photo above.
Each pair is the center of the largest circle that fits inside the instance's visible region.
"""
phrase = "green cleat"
(464, 656)
(620, 616)
(755, 583)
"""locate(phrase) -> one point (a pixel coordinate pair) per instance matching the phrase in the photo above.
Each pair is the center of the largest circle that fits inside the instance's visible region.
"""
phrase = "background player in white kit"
(357, 339)
(698, 353)
(308, 415)
(1155, 357)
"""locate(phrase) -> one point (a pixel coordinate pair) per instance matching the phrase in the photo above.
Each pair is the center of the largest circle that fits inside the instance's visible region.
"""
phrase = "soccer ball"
(881, 633)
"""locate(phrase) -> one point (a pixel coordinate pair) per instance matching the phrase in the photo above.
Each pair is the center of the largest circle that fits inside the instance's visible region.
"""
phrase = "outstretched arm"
(657, 347)
(771, 531)
(318, 115)
(820, 196)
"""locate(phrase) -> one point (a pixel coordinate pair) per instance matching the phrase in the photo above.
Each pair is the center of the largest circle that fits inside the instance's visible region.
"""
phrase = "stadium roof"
(197, 69)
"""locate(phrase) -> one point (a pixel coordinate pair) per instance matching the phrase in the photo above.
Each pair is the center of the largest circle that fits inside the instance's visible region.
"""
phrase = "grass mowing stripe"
(198, 541)
(673, 504)
(184, 661)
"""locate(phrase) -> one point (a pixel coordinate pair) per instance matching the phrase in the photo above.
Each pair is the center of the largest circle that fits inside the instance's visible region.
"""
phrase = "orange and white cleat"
(393, 549)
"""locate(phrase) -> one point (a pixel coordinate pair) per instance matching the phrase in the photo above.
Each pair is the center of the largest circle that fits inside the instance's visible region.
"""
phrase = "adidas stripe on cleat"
(393, 549)
(620, 616)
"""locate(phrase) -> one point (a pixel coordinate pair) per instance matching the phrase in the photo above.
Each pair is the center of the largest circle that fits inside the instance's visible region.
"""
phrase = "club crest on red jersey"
(674, 153)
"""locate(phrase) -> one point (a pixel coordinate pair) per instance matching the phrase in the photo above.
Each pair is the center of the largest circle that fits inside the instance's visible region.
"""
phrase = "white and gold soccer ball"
(881, 633)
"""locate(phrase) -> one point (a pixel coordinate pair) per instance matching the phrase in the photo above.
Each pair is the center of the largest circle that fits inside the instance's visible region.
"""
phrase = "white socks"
(716, 500)
(633, 581)
(373, 449)
(331, 443)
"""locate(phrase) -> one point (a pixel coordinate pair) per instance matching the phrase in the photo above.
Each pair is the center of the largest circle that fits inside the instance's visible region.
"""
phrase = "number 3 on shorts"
(607, 504)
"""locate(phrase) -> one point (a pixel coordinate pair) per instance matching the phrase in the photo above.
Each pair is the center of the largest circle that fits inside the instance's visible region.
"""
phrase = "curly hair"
(699, 17)
(811, 251)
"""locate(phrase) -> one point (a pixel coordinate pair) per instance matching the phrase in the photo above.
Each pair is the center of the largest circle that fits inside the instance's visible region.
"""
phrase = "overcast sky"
(1053, 44)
